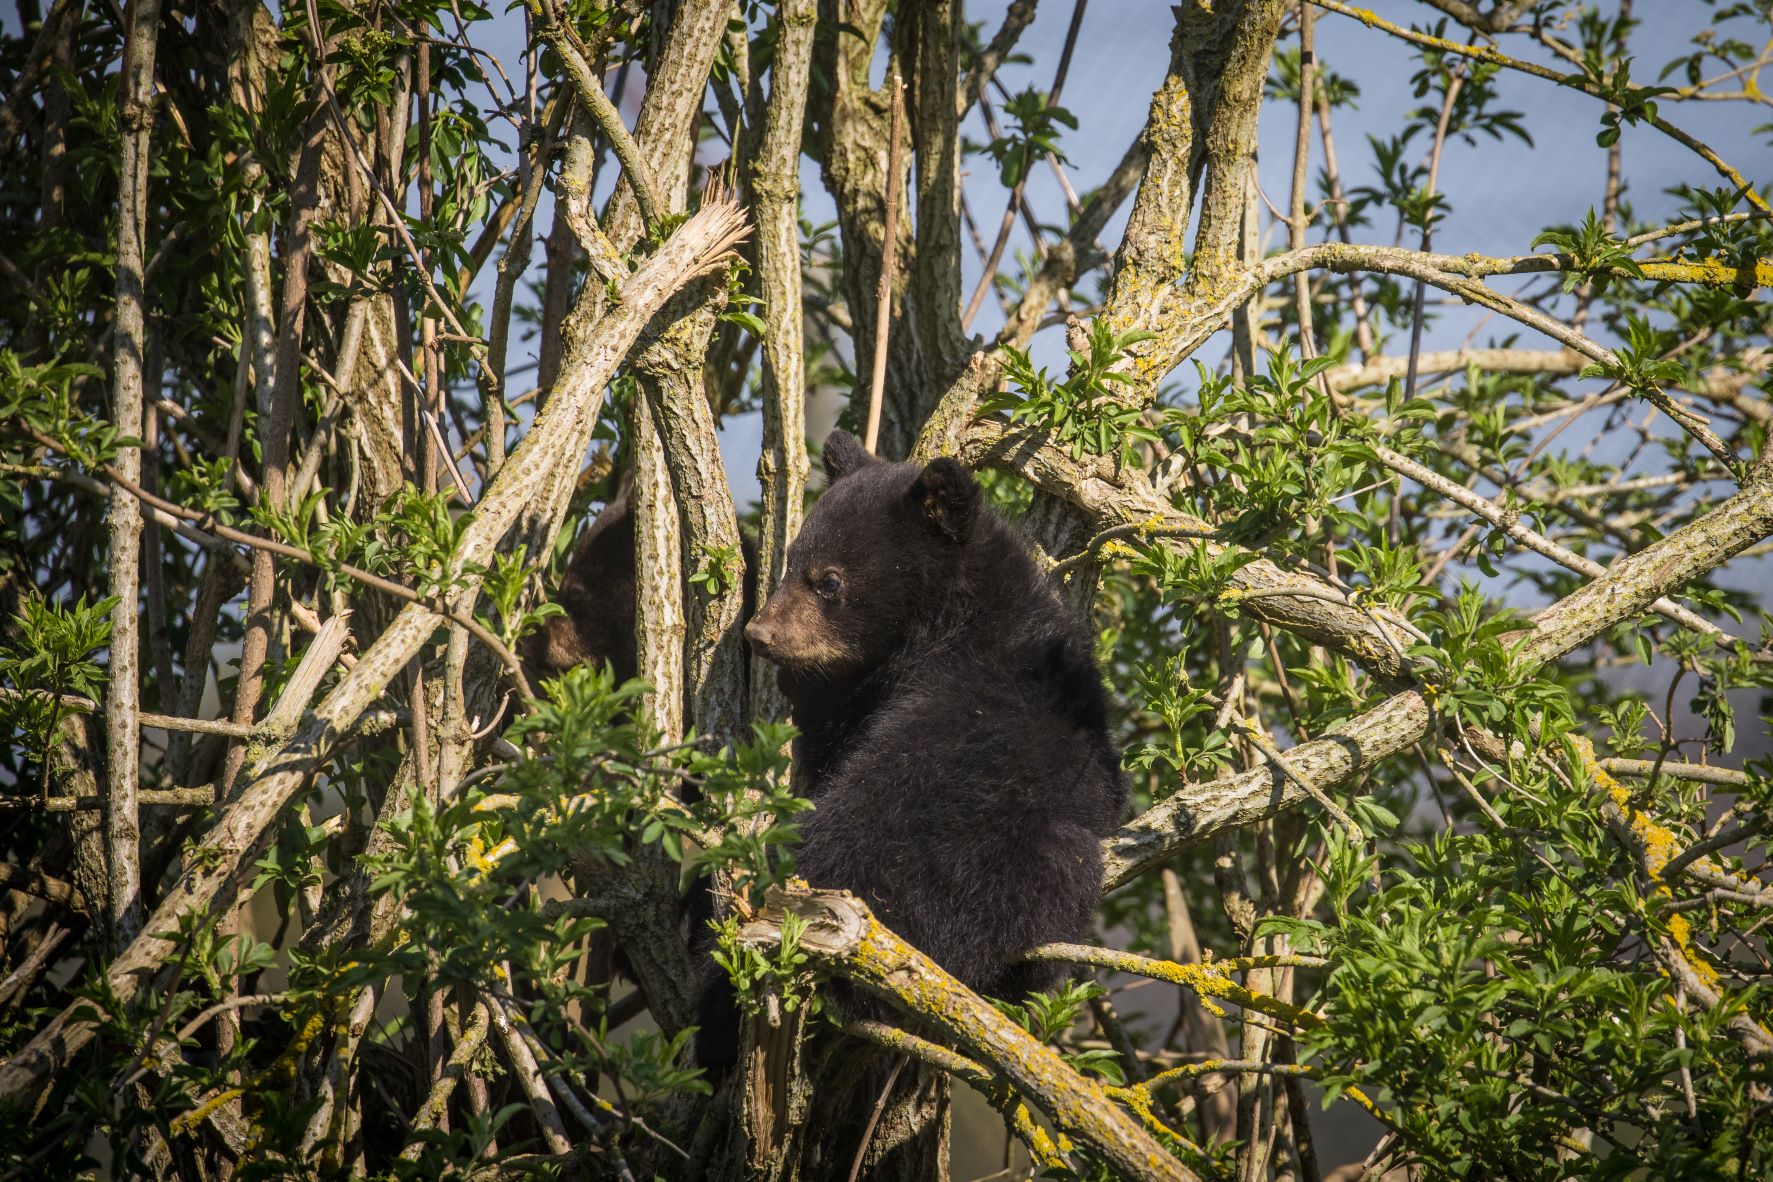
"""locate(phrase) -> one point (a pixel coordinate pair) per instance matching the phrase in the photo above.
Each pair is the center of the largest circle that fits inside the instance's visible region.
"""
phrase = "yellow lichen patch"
(1657, 846)
(1711, 272)
(1041, 1147)
(1139, 1101)
(186, 1122)
(1210, 982)
(1115, 548)
(1366, 1101)
(1681, 932)
(476, 855)
(1658, 843)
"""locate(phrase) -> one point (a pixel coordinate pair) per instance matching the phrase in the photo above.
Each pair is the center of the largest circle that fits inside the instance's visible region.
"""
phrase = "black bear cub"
(954, 728)
(596, 595)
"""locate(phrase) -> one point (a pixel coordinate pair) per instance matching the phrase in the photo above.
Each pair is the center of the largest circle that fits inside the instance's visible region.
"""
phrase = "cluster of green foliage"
(445, 888)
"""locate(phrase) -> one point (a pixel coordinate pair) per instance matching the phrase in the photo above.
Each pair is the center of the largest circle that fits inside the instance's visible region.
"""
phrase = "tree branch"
(1299, 603)
(775, 186)
(844, 936)
(1627, 589)
(123, 910)
(554, 29)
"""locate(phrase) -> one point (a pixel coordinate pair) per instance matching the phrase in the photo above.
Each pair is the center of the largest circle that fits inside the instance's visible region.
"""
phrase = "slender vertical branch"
(284, 385)
(775, 184)
(637, 173)
(1454, 84)
(123, 704)
(669, 373)
(1017, 204)
(153, 559)
(1301, 171)
(1357, 300)
(659, 623)
(988, 269)
(512, 266)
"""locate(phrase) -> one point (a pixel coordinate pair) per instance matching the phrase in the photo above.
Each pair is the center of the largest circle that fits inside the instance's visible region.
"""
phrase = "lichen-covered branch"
(852, 142)
(1202, 123)
(845, 937)
(437, 1103)
(1655, 848)
(1297, 602)
(1627, 589)
(1211, 981)
(1193, 316)
(1230, 103)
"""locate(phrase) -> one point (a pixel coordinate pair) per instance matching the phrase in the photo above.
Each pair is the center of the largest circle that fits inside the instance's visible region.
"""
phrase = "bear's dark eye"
(829, 587)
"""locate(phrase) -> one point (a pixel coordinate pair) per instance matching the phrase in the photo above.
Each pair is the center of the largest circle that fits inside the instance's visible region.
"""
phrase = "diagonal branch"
(1628, 588)
(1300, 603)
(1575, 81)
(554, 29)
(844, 936)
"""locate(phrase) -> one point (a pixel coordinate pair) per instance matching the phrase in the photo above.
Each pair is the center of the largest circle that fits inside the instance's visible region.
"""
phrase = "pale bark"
(669, 374)
(775, 188)
(124, 907)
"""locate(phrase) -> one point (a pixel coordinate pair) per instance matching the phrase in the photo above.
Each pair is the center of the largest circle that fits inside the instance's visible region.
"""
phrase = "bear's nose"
(760, 634)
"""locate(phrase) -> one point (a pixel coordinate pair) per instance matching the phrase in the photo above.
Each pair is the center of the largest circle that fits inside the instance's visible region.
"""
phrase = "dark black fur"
(596, 596)
(954, 723)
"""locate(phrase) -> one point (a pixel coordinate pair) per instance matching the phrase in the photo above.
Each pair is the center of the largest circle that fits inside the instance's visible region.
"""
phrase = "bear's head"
(878, 554)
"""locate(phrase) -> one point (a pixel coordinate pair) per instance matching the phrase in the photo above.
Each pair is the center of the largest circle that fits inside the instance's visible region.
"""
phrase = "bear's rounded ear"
(843, 454)
(947, 497)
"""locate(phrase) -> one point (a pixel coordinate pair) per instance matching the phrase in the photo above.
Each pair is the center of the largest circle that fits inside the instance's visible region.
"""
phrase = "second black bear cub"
(954, 726)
